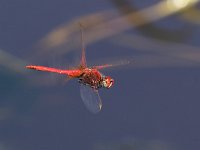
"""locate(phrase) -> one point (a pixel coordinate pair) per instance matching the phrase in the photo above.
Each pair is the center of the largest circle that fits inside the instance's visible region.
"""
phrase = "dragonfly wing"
(83, 58)
(91, 98)
(103, 66)
(114, 64)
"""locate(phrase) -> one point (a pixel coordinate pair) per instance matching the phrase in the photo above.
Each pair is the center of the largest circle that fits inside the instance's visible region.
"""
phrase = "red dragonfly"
(90, 79)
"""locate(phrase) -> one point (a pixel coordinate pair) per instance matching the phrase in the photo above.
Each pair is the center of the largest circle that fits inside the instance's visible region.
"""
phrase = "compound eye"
(104, 83)
(110, 82)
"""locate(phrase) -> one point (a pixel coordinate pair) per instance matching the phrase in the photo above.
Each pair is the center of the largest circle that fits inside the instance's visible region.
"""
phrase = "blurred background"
(154, 104)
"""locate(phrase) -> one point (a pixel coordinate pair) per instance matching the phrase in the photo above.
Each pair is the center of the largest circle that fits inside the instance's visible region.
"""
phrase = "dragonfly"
(89, 78)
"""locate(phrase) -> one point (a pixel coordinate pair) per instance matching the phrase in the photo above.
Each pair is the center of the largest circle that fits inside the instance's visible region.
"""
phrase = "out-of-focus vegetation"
(104, 24)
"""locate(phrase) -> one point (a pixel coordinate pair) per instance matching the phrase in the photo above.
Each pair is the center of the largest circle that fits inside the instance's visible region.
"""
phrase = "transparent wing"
(90, 98)
(115, 64)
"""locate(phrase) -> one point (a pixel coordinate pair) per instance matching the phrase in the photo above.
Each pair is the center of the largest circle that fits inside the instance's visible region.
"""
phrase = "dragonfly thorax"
(95, 79)
(91, 77)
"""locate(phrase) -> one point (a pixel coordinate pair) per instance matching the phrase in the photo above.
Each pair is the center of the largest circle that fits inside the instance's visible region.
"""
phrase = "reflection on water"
(135, 145)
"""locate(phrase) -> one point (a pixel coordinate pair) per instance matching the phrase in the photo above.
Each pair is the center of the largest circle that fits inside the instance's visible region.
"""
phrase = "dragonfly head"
(107, 82)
